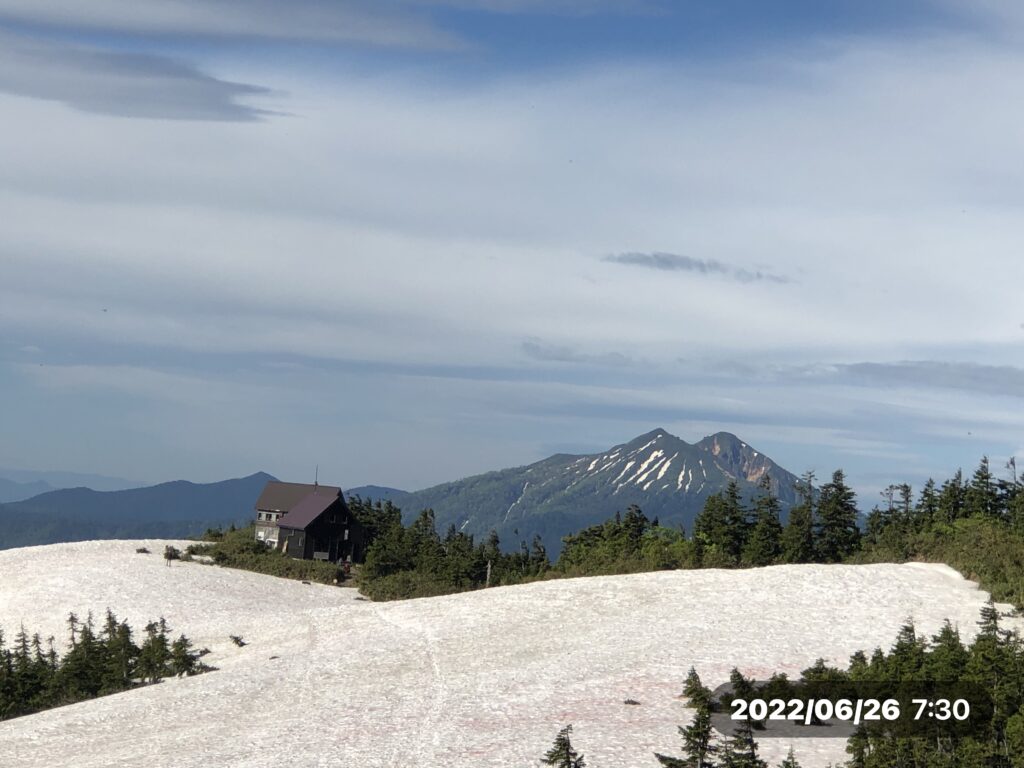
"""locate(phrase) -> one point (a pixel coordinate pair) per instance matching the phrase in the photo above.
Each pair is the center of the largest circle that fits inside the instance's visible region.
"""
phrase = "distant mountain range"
(11, 490)
(20, 481)
(665, 476)
(168, 510)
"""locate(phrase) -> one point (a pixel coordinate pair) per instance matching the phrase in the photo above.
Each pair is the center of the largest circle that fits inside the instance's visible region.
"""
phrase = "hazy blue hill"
(379, 493)
(662, 474)
(170, 510)
(11, 490)
(54, 479)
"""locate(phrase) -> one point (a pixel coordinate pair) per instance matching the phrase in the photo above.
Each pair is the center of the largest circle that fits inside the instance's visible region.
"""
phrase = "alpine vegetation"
(98, 662)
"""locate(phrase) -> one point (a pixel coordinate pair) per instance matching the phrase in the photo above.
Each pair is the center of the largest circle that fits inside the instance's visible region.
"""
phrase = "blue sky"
(410, 241)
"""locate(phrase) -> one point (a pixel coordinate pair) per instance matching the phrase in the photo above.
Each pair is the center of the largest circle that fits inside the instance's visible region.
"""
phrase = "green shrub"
(239, 549)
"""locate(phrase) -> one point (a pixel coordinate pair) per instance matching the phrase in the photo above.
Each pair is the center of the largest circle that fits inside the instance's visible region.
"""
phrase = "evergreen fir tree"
(562, 754)
(927, 510)
(981, 497)
(798, 535)
(735, 517)
(907, 658)
(155, 653)
(951, 499)
(538, 555)
(764, 544)
(740, 751)
(856, 747)
(698, 749)
(425, 544)
(837, 533)
(694, 691)
(790, 761)
(947, 659)
(183, 662)
(1014, 736)
(711, 528)
(120, 656)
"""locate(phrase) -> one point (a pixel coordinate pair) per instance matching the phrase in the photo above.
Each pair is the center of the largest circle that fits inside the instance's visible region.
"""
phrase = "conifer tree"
(698, 749)
(424, 543)
(538, 555)
(947, 659)
(736, 525)
(694, 691)
(183, 662)
(857, 748)
(740, 751)
(798, 535)
(120, 657)
(634, 525)
(790, 761)
(927, 510)
(711, 527)
(1014, 734)
(837, 533)
(907, 659)
(951, 499)
(764, 544)
(562, 754)
(155, 653)
(981, 497)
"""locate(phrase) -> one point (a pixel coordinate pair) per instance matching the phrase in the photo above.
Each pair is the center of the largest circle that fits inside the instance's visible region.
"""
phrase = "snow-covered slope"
(480, 679)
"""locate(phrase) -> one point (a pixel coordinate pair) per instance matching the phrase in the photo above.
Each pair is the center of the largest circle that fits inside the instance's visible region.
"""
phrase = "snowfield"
(479, 679)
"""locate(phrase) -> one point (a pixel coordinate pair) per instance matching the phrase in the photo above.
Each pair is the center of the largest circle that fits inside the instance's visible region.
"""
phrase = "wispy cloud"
(346, 21)
(561, 7)
(1003, 380)
(673, 262)
(123, 84)
(564, 353)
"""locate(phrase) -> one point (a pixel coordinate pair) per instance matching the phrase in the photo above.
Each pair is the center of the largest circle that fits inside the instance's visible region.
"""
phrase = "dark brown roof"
(282, 497)
(309, 509)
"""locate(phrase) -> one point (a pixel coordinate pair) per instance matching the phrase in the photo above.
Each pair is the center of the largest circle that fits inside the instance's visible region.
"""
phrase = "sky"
(408, 241)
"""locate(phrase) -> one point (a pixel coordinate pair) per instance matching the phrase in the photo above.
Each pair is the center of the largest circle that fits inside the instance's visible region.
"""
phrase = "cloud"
(559, 7)
(671, 262)
(1000, 380)
(330, 21)
(122, 84)
(538, 350)
(409, 221)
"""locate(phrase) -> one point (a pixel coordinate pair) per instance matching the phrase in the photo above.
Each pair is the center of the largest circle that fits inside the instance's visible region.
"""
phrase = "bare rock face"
(737, 459)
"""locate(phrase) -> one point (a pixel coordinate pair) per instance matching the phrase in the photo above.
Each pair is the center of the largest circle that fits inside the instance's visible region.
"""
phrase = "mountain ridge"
(664, 475)
(174, 509)
(566, 492)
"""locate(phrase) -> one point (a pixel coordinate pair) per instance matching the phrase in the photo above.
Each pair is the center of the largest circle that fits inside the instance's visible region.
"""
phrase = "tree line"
(99, 661)
(415, 561)
(975, 525)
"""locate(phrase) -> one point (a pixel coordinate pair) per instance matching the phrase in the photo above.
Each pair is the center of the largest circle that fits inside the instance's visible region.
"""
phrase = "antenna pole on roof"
(316, 478)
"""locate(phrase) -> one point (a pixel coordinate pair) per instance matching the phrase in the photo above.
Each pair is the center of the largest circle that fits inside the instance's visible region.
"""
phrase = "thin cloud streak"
(328, 21)
(672, 262)
(123, 84)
